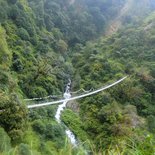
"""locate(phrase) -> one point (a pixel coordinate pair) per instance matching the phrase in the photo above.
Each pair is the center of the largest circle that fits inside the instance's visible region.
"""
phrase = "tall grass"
(87, 148)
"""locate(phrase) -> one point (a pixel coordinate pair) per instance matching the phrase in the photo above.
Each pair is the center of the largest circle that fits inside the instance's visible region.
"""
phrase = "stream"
(61, 107)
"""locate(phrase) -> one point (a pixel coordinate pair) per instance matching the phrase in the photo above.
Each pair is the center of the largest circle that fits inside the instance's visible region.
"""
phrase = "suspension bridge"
(76, 97)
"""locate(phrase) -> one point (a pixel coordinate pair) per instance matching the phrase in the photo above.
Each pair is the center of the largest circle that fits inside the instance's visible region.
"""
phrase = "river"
(61, 107)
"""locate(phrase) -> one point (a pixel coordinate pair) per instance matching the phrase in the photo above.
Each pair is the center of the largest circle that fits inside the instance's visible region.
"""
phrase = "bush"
(23, 34)
(23, 149)
(74, 123)
(37, 92)
(39, 126)
(54, 132)
(14, 12)
(5, 54)
(62, 46)
(14, 117)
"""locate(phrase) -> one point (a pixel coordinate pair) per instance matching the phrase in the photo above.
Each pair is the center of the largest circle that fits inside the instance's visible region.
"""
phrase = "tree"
(3, 14)
(23, 34)
(23, 149)
(62, 46)
(39, 126)
(13, 116)
(151, 123)
(109, 114)
(5, 54)
(14, 12)
(55, 133)
(12, 1)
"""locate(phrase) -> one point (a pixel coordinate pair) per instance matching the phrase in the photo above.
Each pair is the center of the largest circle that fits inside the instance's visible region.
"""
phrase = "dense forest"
(43, 43)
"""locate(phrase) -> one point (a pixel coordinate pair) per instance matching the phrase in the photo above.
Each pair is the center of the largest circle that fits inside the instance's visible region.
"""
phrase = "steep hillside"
(127, 110)
(131, 13)
(116, 23)
(43, 43)
(35, 41)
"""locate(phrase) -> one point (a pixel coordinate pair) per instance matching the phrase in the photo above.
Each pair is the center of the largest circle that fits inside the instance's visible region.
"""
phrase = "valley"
(106, 48)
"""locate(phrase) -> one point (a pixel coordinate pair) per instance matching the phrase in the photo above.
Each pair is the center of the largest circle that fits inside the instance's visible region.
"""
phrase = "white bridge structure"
(77, 97)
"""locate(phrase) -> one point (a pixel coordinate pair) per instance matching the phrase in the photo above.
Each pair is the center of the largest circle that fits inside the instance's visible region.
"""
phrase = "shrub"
(39, 126)
(23, 149)
(23, 34)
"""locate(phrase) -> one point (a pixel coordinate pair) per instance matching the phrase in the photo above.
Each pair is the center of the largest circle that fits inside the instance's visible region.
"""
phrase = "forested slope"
(44, 42)
(112, 114)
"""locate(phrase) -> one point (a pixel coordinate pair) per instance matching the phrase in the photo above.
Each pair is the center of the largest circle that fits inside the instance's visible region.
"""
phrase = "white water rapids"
(61, 107)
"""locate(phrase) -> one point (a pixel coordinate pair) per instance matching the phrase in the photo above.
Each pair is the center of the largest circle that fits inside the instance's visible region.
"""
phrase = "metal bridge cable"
(50, 96)
(77, 97)
(86, 91)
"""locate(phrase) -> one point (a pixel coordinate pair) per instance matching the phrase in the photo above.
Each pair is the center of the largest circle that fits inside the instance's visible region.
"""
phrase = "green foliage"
(72, 121)
(32, 139)
(39, 126)
(151, 123)
(3, 13)
(37, 91)
(4, 79)
(23, 34)
(13, 116)
(4, 141)
(56, 134)
(50, 131)
(24, 149)
(129, 51)
(12, 1)
(5, 54)
(109, 114)
(17, 64)
(62, 46)
(42, 43)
